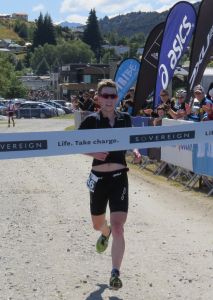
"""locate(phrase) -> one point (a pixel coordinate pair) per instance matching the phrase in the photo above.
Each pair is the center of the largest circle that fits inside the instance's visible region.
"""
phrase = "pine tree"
(43, 68)
(44, 32)
(49, 30)
(19, 65)
(92, 35)
(38, 33)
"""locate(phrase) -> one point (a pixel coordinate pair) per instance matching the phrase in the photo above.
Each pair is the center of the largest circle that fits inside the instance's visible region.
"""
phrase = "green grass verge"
(70, 128)
(3, 122)
(64, 117)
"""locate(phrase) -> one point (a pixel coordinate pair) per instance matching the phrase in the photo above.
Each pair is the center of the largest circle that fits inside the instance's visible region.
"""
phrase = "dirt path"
(47, 245)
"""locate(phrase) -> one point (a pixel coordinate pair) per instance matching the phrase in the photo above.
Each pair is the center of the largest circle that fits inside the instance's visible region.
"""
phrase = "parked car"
(3, 109)
(60, 111)
(57, 105)
(62, 102)
(35, 110)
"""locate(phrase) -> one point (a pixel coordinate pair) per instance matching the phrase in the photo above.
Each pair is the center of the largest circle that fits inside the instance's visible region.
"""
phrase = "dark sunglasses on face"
(163, 95)
(107, 96)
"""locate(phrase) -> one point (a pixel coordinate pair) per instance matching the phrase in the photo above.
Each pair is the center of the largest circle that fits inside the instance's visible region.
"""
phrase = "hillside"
(124, 25)
(7, 33)
(131, 23)
(135, 22)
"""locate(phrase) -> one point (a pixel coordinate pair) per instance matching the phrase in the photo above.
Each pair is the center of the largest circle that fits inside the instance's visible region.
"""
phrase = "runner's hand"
(99, 155)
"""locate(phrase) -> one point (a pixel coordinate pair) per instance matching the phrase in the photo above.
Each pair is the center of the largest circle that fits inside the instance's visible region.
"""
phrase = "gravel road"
(47, 242)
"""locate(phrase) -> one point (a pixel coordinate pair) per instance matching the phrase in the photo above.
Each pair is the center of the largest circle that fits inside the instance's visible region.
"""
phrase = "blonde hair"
(106, 83)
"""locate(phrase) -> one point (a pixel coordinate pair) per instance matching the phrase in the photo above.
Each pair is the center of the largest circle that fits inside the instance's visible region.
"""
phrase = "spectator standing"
(91, 93)
(161, 112)
(179, 109)
(165, 100)
(208, 108)
(208, 94)
(80, 99)
(88, 104)
(126, 105)
(96, 102)
(203, 102)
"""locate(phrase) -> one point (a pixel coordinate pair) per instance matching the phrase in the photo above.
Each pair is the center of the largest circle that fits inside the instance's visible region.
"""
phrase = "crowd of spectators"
(198, 108)
(38, 95)
(85, 101)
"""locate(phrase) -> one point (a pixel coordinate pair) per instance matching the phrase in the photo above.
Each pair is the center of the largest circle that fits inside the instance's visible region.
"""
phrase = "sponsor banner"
(177, 34)
(148, 69)
(140, 122)
(202, 47)
(203, 159)
(178, 155)
(35, 144)
(126, 76)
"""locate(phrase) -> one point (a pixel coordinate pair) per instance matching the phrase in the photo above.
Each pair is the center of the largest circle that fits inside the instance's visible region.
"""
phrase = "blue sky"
(78, 10)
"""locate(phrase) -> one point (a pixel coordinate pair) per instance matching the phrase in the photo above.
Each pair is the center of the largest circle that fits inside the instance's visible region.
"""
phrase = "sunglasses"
(163, 95)
(107, 96)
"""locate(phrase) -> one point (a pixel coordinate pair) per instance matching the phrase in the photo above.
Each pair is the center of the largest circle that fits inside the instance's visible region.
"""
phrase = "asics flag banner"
(35, 144)
(126, 76)
(178, 31)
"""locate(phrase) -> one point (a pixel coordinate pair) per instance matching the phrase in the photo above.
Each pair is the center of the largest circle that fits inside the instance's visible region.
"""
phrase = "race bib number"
(92, 181)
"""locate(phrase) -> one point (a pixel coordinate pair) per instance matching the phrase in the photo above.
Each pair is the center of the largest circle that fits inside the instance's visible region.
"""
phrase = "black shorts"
(111, 187)
(11, 113)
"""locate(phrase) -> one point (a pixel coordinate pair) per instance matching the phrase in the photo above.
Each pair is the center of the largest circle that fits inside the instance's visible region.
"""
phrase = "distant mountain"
(134, 22)
(70, 24)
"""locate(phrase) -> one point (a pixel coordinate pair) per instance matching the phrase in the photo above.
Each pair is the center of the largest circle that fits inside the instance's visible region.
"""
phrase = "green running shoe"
(102, 243)
(115, 282)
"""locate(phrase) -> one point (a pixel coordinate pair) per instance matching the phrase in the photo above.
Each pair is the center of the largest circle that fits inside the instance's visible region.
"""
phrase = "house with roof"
(119, 50)
(5, 16)
(4, 43)
(13, 47)
(20, 16)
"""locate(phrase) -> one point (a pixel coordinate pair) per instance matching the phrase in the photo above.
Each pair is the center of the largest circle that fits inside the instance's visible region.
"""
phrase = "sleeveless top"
(98, 121)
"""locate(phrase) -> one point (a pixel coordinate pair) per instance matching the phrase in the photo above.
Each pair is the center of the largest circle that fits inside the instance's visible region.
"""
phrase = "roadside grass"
(64, 117)
(70, 128)
(3, 122)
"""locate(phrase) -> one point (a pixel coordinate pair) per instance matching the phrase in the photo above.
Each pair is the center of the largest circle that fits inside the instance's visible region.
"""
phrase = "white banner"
(178, 155)
(35, 144)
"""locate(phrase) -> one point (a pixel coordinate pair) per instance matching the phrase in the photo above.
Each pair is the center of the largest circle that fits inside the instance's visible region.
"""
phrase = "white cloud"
(38, 7)
(170, 3)
(77, 19)
(167, 4)
(78, 8)
(144, 7)
(101, 6)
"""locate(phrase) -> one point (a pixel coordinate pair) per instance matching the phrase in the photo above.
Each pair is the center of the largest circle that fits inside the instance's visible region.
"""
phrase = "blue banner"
(126, 76)
(179, 28)
(203, 159)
